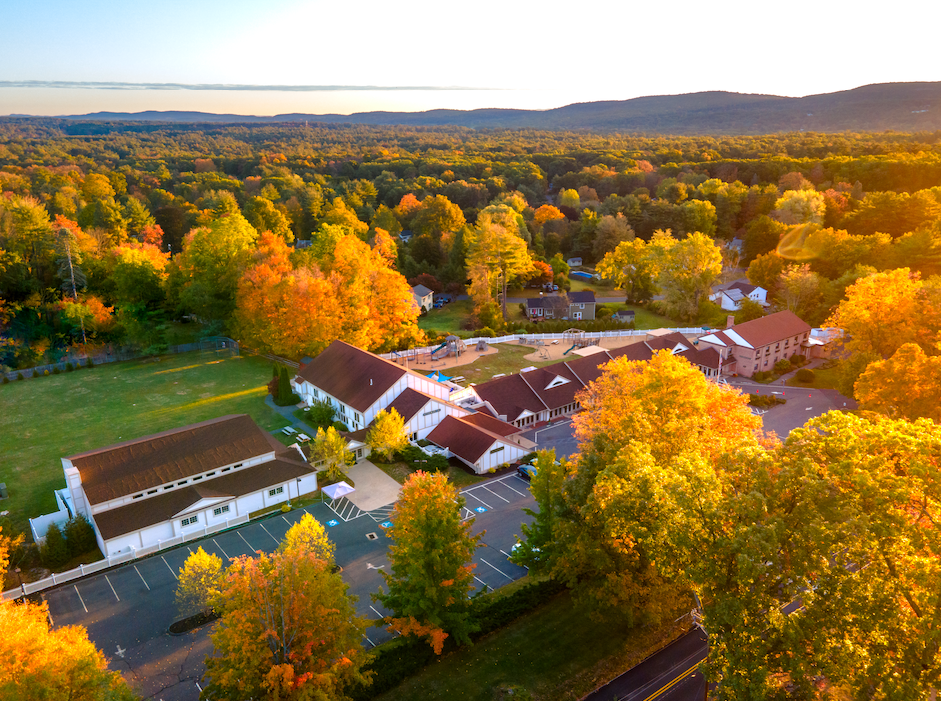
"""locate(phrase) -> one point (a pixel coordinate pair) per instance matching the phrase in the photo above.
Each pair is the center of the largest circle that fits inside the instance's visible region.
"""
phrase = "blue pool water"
(580, 275)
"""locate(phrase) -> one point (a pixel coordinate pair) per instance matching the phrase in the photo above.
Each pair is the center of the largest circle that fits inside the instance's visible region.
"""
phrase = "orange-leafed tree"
(281, 310)
(431, 573)
(288, 631)
(905, 386)
(40, 664)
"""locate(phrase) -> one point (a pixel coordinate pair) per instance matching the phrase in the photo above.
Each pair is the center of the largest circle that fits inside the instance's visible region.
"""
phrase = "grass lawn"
(449, 318)
(45, 419)
(824, 378)
(459, 477)
(556, 652)
(508, 360)
(646, 319)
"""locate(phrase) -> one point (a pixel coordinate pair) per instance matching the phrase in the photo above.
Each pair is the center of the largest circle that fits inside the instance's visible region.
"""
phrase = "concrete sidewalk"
(374, 488)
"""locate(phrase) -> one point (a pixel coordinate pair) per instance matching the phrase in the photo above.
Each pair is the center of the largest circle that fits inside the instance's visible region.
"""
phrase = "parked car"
(527, 472)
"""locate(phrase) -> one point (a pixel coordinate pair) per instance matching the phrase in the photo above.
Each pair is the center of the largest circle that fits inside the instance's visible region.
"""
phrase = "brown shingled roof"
(509, 396)
(465, 440)
(163, 507)
(486, 421)
(354, 376)
(771, 328)
(134, 466)
(409, 403)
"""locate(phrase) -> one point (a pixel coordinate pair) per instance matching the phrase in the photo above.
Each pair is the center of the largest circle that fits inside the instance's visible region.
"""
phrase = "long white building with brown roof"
(183, 482)
(359, 384)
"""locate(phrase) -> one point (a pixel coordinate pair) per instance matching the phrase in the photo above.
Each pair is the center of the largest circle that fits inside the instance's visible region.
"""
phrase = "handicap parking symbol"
(480, 510)
(332, 522)
(386, 524)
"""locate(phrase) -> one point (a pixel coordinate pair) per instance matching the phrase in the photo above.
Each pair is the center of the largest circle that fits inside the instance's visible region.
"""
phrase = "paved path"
(374, 488)
(288, 413)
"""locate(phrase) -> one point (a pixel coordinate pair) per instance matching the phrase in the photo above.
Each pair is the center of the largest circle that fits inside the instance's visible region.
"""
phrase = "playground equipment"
(451, 346)
(481, 346)
(577, 338)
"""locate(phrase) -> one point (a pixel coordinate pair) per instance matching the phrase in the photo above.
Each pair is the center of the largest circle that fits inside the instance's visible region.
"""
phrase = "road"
(127, 610)
(671, 674)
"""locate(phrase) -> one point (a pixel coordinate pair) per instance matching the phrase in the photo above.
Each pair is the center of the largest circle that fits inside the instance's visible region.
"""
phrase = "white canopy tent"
(335, 491)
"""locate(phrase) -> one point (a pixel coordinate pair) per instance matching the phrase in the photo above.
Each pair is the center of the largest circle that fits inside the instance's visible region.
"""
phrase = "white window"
(276, 491)
(316, 394)
(189, 521)
(220, 510)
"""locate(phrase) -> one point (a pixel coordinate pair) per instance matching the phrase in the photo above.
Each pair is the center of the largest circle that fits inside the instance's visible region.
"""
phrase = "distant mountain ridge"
(887, 106)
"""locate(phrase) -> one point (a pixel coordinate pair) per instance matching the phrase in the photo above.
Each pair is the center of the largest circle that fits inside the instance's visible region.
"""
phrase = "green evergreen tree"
(55, 551)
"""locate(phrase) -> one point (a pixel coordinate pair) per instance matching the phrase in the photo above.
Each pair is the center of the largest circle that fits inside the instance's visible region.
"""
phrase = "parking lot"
(127, 610)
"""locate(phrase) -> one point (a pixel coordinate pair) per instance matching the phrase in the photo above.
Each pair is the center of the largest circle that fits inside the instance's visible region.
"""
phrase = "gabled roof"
(165, 506)
(583, 297)
(707, 357)
(510, 396)
(489, 423)
(355, 377)
(769, 329)
(550, 302)
(421, 291)
(745, 287)
(144, 463)
(544, 384)
(409, 403)
(466, 440)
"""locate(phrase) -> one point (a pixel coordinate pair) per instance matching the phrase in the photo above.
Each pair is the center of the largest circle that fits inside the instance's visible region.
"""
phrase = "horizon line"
(119, 85)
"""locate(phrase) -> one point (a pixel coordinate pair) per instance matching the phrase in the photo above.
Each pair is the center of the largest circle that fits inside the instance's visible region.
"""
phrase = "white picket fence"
(112, 560)
(533, 337)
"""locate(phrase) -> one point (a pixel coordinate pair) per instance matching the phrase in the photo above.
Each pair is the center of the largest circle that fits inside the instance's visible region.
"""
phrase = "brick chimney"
(729, 321)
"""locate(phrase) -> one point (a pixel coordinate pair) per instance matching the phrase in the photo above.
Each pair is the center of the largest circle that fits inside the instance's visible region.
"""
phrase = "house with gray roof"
(424, 297)
(571, 305)
(730, 296)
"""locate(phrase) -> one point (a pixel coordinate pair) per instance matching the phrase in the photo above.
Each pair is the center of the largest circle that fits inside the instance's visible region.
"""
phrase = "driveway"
(560, 437)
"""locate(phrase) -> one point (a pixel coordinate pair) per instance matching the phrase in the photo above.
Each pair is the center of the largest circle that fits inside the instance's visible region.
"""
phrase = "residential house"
(183, 482)
(730, 296)
(547, 307)
(581, 305)
(625, 316)
(574, 262)
(757, 345)
(424, 298)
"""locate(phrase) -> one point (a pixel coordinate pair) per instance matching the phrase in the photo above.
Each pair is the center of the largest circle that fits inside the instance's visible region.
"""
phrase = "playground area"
(568, 346)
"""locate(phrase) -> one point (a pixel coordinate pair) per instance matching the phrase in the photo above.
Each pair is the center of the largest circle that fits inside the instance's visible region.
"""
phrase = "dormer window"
(556, 381)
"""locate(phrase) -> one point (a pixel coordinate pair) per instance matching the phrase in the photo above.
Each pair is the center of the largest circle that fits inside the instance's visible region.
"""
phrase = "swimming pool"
(580, 275)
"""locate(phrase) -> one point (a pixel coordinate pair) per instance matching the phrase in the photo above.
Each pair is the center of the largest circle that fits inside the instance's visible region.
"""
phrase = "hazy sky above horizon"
(63, 57)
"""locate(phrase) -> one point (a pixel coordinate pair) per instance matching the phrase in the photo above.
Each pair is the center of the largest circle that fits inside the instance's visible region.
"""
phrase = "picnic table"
(303, 437)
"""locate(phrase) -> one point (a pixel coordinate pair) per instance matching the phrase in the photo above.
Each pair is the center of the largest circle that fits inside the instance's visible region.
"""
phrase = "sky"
(271, 57)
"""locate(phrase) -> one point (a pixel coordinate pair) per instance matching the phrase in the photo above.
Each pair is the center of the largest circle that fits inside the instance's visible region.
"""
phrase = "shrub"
(805, 375)
(56, 370)
(782, 366)
(423, 443)
(69, 367)
(340, 426)
(492, 612)
(90, 363)
(79, 536)
(6, 379)
(486, 332)
(321, 413)
(523, 308)
(55, 551)
(764, 401)
(19, 376)
(798, 360)
(45, 373)
(289, 400)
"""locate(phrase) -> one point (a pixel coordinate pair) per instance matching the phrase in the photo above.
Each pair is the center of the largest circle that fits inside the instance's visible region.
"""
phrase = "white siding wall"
(490, 460)
(430, 416)
(74, 482)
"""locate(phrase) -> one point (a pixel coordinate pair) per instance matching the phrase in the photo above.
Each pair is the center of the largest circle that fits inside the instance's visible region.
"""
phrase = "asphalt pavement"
(127, 610)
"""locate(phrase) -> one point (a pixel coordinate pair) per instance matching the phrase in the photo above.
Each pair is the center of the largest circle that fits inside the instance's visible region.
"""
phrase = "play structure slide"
(443, 345)
(570, 349)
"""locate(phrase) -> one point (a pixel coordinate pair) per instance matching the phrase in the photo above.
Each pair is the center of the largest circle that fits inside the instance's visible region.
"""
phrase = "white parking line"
(220, 548)
(142, 578)
(368, 640)
(80, 598)
(497, 495)
(286, 521)
(479, 499)
(266, 531)
(175, 576)
(381, 615)
(498, 570)
(246, 542)
(503, 482)
(483, 582)
(112, 588)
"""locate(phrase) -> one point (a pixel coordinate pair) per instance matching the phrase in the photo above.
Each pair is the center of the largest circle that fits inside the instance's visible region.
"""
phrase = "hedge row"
(394, 662)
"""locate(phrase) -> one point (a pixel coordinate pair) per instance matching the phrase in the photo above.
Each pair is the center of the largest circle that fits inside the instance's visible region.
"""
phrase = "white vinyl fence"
(533, 337)
(84, 570)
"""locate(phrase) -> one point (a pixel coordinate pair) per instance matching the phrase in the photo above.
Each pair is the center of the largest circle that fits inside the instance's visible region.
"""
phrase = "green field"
(556, 652)
(449, 318)
(45, 419)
